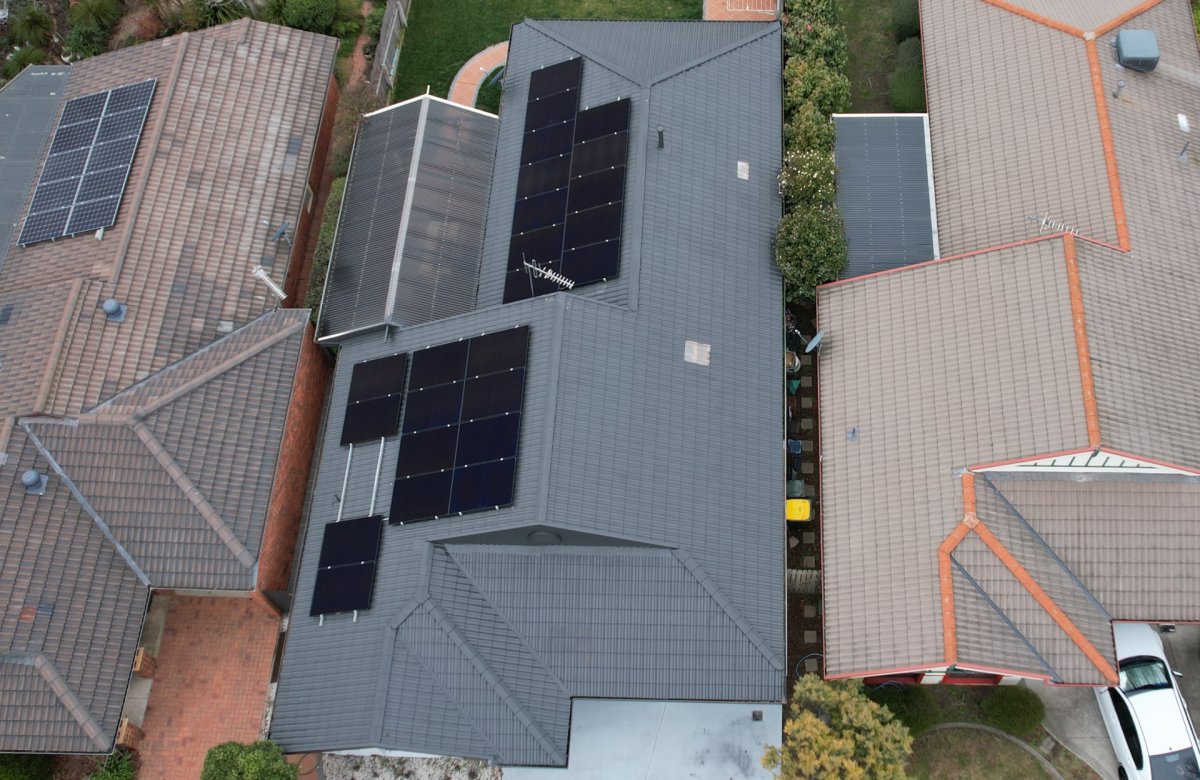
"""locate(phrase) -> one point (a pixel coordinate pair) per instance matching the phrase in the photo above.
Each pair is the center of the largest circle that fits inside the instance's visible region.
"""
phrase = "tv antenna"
(545, 273)
(280, 233)
(261, 274)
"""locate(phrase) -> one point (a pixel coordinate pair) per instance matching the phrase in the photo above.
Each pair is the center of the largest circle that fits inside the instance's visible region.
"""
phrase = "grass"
(444, 34)
(957, 754)
(872, 53)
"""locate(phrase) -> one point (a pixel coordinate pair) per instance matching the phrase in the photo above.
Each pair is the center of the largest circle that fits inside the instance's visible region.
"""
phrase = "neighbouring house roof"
(659, 477)
(160, 435)
(1028, 456)
(28, 104)
(885, 191)
(411, 224)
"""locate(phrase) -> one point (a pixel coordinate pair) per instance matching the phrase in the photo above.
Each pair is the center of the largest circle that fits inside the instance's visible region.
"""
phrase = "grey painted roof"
(411, 223)
(885, 182)
(28, 105)
(661, 476)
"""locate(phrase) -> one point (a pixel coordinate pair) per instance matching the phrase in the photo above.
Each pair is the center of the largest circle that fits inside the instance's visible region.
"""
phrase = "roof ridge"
(714, 591)
(72, 703)
(1091, 414)
(721, 52)
(575, 47)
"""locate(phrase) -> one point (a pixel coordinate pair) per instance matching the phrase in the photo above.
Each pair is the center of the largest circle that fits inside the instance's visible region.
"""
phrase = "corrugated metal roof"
(885, 187)
(28, 105)
(622, 442)
(408, 238)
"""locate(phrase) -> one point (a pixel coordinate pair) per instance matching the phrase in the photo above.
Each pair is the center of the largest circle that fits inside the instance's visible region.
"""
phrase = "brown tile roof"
(1021, 110)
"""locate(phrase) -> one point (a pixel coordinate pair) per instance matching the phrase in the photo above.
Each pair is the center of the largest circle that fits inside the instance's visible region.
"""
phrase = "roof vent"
(34, 482)
(695, 352)
(1137, 50)
(114, 310)
(544, 537)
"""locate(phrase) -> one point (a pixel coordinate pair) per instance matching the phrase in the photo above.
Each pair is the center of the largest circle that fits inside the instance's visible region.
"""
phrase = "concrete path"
(1183, 652)
(470, 76)
(1050, 770)
(739, 10)
(1073, 718)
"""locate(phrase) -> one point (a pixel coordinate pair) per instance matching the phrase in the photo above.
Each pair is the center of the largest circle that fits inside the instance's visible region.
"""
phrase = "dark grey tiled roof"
(407, 247)
(884, 187)
(661, 476)
(28, 105)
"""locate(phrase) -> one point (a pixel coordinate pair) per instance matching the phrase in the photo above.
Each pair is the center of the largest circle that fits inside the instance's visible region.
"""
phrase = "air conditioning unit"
(1137, 50)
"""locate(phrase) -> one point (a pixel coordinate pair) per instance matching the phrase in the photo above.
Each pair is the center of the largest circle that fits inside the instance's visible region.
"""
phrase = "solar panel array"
(571, 186)
(346, 568)
(81, 183)
(458, 443)
(373, 407)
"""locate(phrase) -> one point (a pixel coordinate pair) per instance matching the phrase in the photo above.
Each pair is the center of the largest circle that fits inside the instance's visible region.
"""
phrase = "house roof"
(885, 191)
(989, 366)
(424, 165)
(659, 477)
(159, 434)
(28, 105)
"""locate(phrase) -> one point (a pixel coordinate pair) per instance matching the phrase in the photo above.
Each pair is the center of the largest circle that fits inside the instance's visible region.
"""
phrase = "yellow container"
(799, 509)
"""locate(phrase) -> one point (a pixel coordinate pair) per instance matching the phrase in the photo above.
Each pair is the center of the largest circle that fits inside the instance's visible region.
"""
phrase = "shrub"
(825, 11)
(808, 128)
(118, 766)
(374, 23)
(906, 19)
(1013, 708)
(814, 40)
(260, 760)
(913, 705)
(810, 248)
(141, 24)
(814, 82)
(30, 55)
(33, 25)
(908, 89)
(909, 53)
(808, 178)
(324, 248)
(349, 22)
(100, 14)
(313, 15)
(355, 101)
(23, 766)
(86, 41)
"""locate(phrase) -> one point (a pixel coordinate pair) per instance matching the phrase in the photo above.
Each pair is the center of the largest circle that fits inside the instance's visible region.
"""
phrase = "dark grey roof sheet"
(885, 183)
(408, 238)
(28, 105)
(467, 648)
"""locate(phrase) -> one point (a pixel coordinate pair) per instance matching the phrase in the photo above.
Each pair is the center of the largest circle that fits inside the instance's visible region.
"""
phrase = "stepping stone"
(810, 611)
(807, 468)
(808, 537)
(806, 381)
(1047, 746)
(810, 665)
(806, 360)
(810, 562)
(810, 637)
(792, 542)
(806, 424)
(806, 403)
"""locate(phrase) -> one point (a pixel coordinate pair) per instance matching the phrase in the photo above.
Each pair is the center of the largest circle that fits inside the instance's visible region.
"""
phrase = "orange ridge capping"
(1046, 602)
(1030, 15)
(1091, 414)
(1125, 17)
(1106, 140)
(945, 578)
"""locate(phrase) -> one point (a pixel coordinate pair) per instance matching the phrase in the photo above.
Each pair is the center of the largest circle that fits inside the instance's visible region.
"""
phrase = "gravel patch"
(385, 768)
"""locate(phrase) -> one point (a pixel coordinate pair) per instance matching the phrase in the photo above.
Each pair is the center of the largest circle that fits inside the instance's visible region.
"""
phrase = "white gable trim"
(1098, 461)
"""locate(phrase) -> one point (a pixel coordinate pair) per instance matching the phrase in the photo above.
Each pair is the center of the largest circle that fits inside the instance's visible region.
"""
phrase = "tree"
(261, 760)
(313, 15)
(834, 732)
(810, 39)
(808, 128)
(825, 11)
(816, 83)
(809, 178)
(810, 248)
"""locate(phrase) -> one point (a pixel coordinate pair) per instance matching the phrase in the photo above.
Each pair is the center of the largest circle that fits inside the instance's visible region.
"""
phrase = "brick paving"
(739, 10)
(465, 87)
(211, 684)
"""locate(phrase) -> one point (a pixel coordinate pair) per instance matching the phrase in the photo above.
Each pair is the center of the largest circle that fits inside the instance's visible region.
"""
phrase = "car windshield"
(1144, 674)
(1172, 766)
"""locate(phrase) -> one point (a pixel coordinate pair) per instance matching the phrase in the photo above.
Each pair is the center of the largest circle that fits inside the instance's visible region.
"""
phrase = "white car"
(1147, 718)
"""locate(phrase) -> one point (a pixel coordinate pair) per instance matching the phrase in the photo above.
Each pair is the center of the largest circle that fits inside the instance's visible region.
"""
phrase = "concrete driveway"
(1073, 718)
(1183, 651)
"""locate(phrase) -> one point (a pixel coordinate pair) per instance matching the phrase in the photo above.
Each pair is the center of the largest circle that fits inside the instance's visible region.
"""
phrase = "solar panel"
(350, 542)
(593, 263)
(597, 189)
(343, 589)
(374, 419)
(377, 378)
(551, 110)
(554, 78)
(519, 285)
(607, 152)
(472, 418)
(96, 132)
(540, 246)
(593, 226)
(540, 211)
(549, 142)
(602, 120)
(544, 176)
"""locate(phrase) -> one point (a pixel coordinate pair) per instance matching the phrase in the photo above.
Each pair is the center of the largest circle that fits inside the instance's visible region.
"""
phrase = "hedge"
(1013, 708)
(909, 53)
(260, 760)
(814, 82)
(814, 40)
(826, 11)
(906, 19)
(810, 248)
(908, 89)
(313, 15)
(23, 766)
(809, 178)
(913, 705)
(808, 128)
(324, 248)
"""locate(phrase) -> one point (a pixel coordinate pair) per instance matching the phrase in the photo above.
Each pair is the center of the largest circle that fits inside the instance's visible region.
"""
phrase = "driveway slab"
(1073, 718)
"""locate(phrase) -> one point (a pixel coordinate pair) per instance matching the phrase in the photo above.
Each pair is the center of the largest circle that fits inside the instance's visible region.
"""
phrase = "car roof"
(1164, 724)
(1134, 639)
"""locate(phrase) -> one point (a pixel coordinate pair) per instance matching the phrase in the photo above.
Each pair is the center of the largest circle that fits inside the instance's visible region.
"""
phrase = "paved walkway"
(359, 70)
(470, 76)
(214, 665)
(1073, 718)
(739, 10)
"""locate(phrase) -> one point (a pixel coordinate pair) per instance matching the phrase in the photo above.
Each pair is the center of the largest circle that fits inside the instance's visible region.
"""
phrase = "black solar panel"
(438, 365)
(377, 378)
(459, 426)
(551, 110)
(593, 263)
(550, 142)
(343, 589)
(374, 419)
(97, 132)
(602, 120)
(544, 176)
(540, 246)
(540, 211)
(350, 542)
(596, 189)
(593, 226)
(519, 285)
(554, 78)
(606, 152)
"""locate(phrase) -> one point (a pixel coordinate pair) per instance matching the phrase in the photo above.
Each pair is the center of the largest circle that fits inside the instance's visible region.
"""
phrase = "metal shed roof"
(411, 223)
(885, 190)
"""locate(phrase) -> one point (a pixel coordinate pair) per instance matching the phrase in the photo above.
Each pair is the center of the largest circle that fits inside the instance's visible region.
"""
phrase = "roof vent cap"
(114, 310)
(34, 482)
(1137, 50)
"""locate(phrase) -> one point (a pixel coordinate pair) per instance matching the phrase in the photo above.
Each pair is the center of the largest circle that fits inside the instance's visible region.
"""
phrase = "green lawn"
(872, 54)
(443, 34)
(967, 754)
